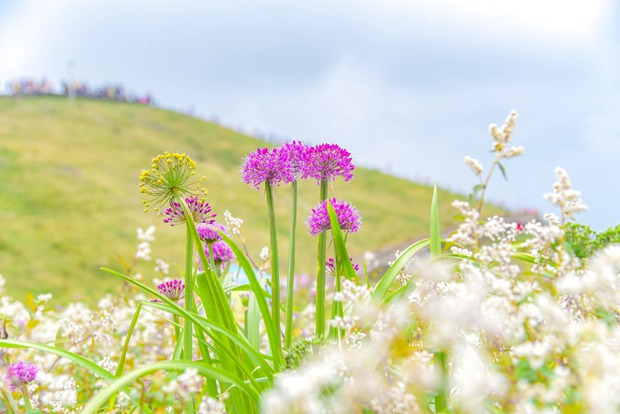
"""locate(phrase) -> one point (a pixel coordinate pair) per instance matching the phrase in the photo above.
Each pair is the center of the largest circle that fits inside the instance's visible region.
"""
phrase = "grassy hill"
(69, 197)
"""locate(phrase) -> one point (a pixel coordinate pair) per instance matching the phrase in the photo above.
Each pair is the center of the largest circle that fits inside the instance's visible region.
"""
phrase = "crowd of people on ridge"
(30, 86)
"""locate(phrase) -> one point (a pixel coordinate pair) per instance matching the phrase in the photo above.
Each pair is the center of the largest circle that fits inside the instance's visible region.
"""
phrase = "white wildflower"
(162, 266)
(564, 196)
(144, 251)
(473, 164)
(107, 364)
(264, 254)
(186, 384)
(210, 405)
(44, 298)
(233, 223)
(148, 235)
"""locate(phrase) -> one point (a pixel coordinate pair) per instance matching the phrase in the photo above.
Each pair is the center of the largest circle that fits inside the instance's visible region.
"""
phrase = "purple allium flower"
(21, 373)
(172, 289)
(222, 253)
(199, 209)
(295, 152)
(330, 264)
(348, 217)
(272, 165)
(208, 232)
(325, 162)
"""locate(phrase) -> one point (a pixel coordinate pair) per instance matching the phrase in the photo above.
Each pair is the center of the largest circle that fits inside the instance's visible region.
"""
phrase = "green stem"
(189, 295)
(486, 184)
(26, 400)
(189, 300)
(337, 310)
(290, 282)
(177, 331)
(320, 277)
(440, 359)
(275, 266)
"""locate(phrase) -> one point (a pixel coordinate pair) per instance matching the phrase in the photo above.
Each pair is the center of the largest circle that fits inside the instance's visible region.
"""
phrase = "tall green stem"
(189, 294)
(320, 277)
(443, 391)
(275, 266)
(337, 309)
(189, 301)
(290, 281)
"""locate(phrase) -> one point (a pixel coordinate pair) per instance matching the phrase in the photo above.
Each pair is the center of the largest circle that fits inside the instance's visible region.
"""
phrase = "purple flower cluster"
(295, 153)
(21, 373)
(222, 253)
(199, 209)
(267, 165)
(173, 289)
(330, 264)
(295, 160)
(348, 217)
(325, 162)
(208, 233)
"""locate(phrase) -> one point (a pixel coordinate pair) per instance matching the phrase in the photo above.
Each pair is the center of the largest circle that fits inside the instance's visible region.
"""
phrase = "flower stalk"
(320, 277)
(275, 265)
(290, 281)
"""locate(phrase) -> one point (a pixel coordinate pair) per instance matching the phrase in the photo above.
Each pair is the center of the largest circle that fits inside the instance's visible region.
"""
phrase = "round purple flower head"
(208, 232)
(325, 162)
(21, 373)
(199, 209)
(267, 165)
(296, 153)
(222, 253)
(172, 289)
(348, 217)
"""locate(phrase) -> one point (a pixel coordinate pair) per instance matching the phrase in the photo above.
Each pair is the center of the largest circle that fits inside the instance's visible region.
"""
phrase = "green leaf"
(261, 300)
(179, 366)
(435, 236)
(341, 248)
(382, 288)
(32, 307)
(205, 324)
(503, 170)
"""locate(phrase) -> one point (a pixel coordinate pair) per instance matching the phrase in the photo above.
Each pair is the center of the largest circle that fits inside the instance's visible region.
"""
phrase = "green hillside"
(69, 197)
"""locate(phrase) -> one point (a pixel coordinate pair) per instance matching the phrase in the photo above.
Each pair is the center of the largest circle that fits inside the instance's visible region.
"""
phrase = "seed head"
(170, 175)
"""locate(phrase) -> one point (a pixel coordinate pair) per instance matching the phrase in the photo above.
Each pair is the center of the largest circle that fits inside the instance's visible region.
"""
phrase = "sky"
(408, 87)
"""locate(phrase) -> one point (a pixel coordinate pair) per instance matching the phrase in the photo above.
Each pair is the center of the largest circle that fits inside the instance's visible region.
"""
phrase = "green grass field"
(70, 202)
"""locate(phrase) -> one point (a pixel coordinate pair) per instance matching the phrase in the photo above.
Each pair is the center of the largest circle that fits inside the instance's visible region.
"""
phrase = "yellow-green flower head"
(170, 175)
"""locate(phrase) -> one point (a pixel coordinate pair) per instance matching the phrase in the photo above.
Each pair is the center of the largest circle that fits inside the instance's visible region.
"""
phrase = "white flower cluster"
(474, 165)
(146, 237)
(233, 223)
(185, 385)
(564, 196)
(501, 136)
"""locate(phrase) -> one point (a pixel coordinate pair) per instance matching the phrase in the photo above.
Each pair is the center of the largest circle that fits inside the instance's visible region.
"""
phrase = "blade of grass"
(435, 236)
(259, 292)
(382, 288)
(223, 376)
(206, 324)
